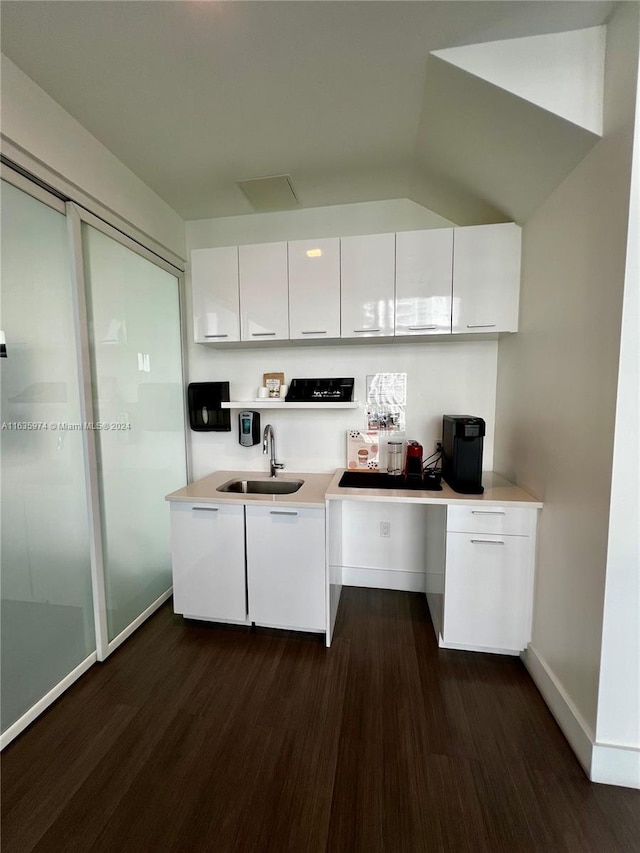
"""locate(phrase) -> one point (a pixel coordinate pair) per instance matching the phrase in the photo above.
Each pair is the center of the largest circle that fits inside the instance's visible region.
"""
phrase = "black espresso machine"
(462, 437)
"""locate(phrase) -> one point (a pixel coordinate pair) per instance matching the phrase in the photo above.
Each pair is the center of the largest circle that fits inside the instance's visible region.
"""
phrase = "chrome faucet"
(269, 446)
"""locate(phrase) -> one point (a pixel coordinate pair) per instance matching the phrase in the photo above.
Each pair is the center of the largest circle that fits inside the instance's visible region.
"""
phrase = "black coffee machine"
(462, 437)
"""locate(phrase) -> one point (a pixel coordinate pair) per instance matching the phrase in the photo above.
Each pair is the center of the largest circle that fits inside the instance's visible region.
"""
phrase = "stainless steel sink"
(261, 487)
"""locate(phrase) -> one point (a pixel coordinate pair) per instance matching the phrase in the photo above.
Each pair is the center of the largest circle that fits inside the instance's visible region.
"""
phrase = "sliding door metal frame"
(88, 436)
(76, 215)
(12, 732)
(129, 243)
(50, 200)
(15, 155)
(22, 183)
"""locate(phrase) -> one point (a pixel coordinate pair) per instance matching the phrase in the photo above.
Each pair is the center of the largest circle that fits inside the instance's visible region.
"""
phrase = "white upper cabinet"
(486, 278)
(429, 282)
(264, 292)
(214, 285)
(424, 261)
(314, 289)
(368, 285)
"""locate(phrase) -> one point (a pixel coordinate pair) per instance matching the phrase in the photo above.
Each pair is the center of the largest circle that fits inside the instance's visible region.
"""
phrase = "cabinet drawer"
(514, 521)
(486, 591)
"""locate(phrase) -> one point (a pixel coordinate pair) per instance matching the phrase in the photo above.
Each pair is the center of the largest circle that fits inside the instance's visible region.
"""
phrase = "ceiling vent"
(272, 193)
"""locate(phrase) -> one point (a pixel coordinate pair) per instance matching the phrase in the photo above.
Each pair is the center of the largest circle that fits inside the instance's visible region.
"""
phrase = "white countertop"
(317, 488)
(497, 492)
(311, 493)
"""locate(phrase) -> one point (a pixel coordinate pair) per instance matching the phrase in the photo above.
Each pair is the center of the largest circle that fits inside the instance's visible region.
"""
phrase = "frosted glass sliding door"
(136, 364)
(47, 622)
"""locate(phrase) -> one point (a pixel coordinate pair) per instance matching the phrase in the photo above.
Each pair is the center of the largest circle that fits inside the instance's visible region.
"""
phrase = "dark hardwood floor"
(197, 737)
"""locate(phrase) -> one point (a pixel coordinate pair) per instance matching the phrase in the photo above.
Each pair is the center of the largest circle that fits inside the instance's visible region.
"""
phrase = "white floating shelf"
(261, 403)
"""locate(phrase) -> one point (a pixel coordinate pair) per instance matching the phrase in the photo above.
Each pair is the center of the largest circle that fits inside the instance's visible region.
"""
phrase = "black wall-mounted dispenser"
(249, 428)
(205, 410)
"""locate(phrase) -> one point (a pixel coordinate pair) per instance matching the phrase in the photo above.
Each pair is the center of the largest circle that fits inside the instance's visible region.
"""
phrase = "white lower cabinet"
(486, 582)
(488, 569)
(207, 554)
(286, 567)
(263, 564)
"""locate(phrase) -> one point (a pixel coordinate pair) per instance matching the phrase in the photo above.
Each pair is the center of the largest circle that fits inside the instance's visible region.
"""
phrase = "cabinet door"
(216, 301)
(486, 278)
(314, 289)
(368, 285)
(486, 589)
(264, 292)
(207, 553)
(286, 567)
(424, 267)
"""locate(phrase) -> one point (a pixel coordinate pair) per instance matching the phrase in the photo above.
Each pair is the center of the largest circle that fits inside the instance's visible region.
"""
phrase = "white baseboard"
(606, 763)
(489, 650)
(215, 621)
(26, 719)
(383, 579)
(575, 728)
(616, 765)
(128, 631)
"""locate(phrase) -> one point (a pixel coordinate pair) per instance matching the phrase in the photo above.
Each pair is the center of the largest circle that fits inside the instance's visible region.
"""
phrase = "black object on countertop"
(380, 480)
(462, 438)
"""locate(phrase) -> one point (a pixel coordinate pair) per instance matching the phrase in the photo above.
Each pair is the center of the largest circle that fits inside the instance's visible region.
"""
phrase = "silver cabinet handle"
(420, 328)
(216, 336)
(487, 512)
(488, 541)
(261, 334)
(204, 508)
(357, 331)
(321, 332)
(279, 512)
(481, 325)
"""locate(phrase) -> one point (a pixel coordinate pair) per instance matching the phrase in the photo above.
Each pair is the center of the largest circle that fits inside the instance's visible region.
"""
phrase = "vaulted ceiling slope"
(343, 96)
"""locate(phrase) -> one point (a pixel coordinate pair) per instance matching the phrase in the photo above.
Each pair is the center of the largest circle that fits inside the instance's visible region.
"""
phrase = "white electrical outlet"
(385, 529)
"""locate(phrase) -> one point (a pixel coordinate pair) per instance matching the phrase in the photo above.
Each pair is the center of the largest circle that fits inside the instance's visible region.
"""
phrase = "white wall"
(443, 378)
(340, 220)
(557, 386)
(619, 694)
(43, 134)
(449, 377)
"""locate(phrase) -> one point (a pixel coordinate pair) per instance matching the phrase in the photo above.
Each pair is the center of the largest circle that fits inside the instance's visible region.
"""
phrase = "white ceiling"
(195, 96)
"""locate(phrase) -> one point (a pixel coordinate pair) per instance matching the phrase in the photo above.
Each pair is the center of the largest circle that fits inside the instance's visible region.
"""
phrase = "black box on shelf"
(320, 391)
